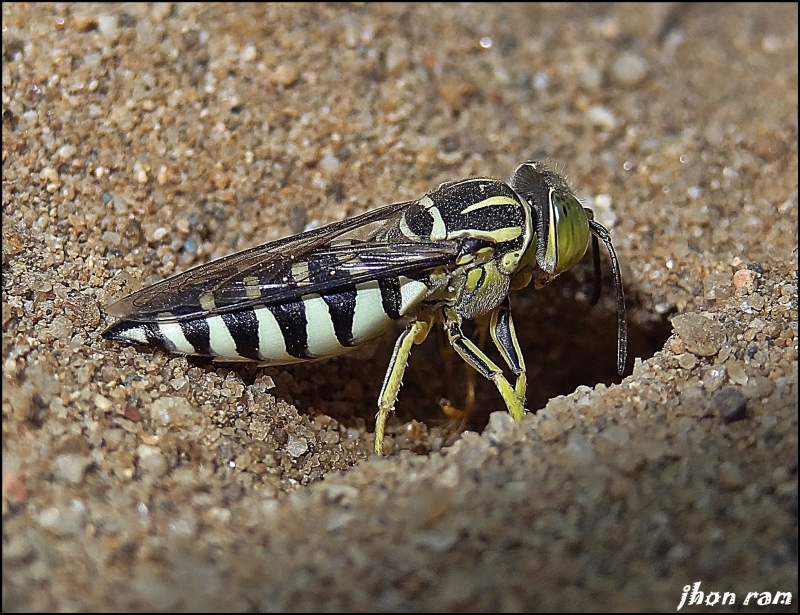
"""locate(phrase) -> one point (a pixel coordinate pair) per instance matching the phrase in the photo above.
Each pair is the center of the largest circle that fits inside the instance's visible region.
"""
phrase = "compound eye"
(568, 232)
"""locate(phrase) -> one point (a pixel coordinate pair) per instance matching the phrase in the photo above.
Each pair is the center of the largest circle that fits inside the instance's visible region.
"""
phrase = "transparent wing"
(332, 257)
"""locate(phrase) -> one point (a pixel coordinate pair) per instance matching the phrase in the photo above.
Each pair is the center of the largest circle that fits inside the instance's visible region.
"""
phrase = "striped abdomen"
(311, 327)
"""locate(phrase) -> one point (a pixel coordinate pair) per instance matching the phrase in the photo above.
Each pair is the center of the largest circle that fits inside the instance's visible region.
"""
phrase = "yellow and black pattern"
(310, 327)
(454, 254)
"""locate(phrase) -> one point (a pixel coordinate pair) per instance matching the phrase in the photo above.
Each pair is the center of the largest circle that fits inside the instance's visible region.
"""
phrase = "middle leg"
(475, 357)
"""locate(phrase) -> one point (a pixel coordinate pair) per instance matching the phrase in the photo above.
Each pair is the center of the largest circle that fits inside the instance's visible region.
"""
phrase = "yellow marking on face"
(551, 256)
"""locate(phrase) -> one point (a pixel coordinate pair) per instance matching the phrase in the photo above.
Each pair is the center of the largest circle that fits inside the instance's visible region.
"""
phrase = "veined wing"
(335, 256)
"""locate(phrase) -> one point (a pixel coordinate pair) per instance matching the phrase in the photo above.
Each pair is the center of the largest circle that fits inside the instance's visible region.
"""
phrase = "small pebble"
(746, 280)
(602, 117)
(730, 476)
(730, 404)
(700, 335)
(72, 468)
(630, 68)
(297, 446)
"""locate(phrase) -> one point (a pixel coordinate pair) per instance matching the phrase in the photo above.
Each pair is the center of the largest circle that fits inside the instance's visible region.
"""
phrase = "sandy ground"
(139, 140)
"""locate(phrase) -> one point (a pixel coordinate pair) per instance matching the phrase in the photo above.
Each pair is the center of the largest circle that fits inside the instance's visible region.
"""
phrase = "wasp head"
(560, 222)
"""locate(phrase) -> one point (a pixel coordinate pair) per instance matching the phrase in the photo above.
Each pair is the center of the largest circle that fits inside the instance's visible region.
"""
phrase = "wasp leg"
(449, 357)
(415, 333)
(462, 414)
(483, 364)
(504, 335)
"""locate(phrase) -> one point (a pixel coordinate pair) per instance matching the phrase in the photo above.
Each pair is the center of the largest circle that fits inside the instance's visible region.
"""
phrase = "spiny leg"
(501, 327)
(415, 333)
(482, 363)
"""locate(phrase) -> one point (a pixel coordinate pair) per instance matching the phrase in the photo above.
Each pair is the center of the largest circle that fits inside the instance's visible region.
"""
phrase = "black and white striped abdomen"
(311, 327)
